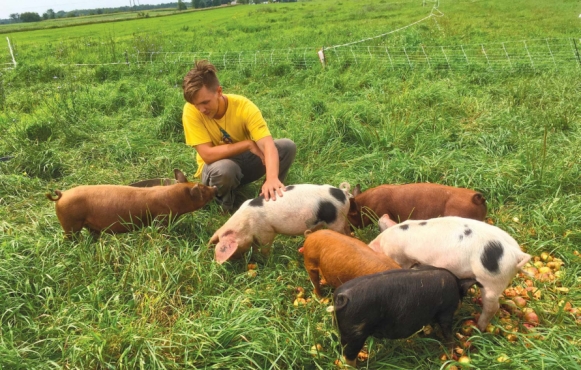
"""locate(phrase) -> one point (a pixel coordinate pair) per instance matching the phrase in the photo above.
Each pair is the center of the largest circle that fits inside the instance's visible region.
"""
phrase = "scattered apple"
(363, 355)
(464, 360)
(316, 349)
(531, 317)
(299, 301)
(503, 358)
(252, 273)
(520, 302)
(492, 329)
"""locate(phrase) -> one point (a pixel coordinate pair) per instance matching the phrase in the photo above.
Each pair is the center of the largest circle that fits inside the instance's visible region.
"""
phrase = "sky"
(8, 7)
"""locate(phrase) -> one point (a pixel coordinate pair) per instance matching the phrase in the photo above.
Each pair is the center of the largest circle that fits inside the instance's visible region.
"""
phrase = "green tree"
(15, 16)
(181, 5)
(216, 2)
(30, 17)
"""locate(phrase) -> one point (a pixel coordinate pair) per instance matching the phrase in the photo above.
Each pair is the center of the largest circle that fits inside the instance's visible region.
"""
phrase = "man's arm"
(211, 153)
(272, 185)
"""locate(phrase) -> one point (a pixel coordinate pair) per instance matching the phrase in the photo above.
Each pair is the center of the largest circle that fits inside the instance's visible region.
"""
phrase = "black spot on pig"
(467, 232)
(423, 223)
(338, 194)
(460, 237)
(404, 227)
(327, 212)
(257, 202)
(491, 256)
(290, 187)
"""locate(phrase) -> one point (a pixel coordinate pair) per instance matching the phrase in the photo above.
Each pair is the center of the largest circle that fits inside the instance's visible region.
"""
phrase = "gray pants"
(230, 173)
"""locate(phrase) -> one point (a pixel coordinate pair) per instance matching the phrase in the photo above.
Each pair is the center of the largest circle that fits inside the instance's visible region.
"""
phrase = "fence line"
(432, 14)
(534, 54)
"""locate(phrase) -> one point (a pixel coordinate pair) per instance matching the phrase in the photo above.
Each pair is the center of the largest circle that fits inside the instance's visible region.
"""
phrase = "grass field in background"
(83, 20)
(155, 298)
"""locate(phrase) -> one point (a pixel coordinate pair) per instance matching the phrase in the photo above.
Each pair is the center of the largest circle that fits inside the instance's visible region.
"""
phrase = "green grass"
(155, 298)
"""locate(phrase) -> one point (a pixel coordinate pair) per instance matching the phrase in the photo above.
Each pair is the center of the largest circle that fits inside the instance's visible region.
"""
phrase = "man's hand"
(271, 188)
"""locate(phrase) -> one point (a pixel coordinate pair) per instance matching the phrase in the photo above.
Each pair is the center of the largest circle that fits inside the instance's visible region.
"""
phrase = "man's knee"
(286, 148)
(224, 174)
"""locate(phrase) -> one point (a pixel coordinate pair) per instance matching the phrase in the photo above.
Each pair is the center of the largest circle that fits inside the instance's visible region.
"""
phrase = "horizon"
(41, 6)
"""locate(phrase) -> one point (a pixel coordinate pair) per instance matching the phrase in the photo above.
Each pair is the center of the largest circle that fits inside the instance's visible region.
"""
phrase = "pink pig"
(301, 208)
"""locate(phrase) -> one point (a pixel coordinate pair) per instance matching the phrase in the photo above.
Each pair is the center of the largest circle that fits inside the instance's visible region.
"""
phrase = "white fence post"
(551, 52)
(11, 52)
(465, 56)
(406, 55)
(486, 55)
(531, 58)
(507, 57)
(426, 55)
(445, 56)
(389, 56)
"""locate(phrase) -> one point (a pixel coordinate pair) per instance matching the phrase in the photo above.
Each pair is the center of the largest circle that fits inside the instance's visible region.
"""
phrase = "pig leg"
(445, 320)
(314, 276)
(352, 348)
(71, 228)
(489, 306)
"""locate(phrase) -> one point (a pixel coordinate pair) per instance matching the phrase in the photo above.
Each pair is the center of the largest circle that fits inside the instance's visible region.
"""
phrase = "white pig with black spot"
(466, 247)
(302, 207)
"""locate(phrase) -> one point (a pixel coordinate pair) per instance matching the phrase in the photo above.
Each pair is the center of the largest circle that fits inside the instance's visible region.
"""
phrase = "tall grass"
(154, 298)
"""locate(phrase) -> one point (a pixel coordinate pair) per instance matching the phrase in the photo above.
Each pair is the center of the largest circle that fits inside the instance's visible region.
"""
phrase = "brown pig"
(340, 258)
(415, 202)
(119, 209)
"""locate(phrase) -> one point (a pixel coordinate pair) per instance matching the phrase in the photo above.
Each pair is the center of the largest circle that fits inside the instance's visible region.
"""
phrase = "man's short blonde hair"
(203, 74)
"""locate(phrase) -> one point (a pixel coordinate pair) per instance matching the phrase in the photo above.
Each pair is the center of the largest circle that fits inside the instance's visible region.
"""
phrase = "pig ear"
(195, 192)
(179, 175)
(357, 190)
(225, 249)
(376, 246)
(385, 222)
(353, 209)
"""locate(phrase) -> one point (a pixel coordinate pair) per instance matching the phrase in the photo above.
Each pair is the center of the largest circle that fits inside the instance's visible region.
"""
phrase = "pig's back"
(343, 258)
(455, 243)
(302, 207)
(396, 303)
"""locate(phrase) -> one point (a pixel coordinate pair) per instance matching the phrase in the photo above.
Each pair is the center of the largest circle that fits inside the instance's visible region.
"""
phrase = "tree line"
(180, 5)
(51, 14)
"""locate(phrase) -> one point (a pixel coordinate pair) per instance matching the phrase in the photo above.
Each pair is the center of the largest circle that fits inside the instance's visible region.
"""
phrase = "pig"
(466, 247)
(302, 207)
(340, 258)
(414, 201)
(119, 209)
(395, 304)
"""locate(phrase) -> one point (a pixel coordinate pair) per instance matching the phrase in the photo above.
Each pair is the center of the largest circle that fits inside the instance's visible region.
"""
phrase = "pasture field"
(82, 20)
(154, 298)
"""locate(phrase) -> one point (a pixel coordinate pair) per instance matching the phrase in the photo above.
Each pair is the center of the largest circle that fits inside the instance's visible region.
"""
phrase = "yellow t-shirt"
(242, 121)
